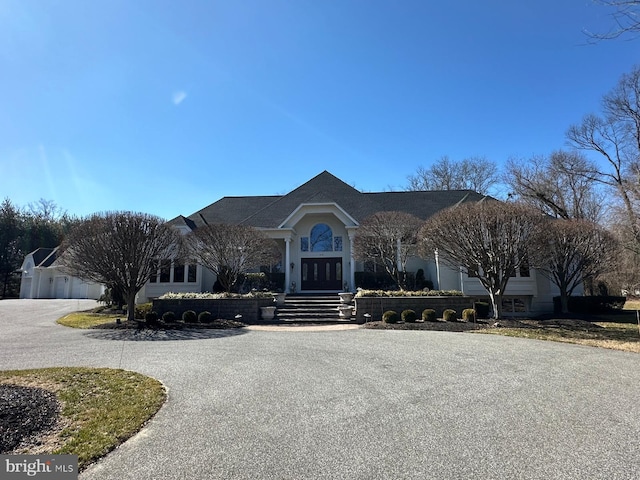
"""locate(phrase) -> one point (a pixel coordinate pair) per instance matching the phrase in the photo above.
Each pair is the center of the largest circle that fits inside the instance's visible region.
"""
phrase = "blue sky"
(164, 107)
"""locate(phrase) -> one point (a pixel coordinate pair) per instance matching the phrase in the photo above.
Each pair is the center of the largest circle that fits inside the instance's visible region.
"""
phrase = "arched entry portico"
(318, 249)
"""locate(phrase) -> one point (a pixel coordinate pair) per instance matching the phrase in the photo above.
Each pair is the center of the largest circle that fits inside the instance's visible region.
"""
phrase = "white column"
(437, 287)
(287, 263)
(352, 264)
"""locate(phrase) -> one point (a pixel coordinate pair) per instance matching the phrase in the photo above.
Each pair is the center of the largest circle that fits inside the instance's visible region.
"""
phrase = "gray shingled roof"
(271, 211)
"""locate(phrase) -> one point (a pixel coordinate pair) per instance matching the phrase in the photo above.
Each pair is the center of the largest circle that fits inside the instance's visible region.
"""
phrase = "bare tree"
(229, 250)
(45, 210)
(390, 239)
(562, 185)
(474, 173)
(615, 137)
(119, 250)
(572, 252)
(626, 19)
(489, 239)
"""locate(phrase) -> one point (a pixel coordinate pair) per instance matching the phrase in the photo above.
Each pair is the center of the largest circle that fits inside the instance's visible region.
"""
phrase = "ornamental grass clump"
(408, 293)
(429, 315)
(449, 315)
(469, 315)
(390, 316)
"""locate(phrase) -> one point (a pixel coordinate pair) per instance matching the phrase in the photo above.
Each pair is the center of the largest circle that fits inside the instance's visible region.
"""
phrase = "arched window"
(321, 238)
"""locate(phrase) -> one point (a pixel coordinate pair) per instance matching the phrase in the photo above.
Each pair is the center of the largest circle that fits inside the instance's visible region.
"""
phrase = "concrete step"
(310, 308)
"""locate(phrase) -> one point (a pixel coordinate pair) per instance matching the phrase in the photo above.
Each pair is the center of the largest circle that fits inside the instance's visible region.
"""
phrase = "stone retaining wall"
(225, 308)
(376, 306)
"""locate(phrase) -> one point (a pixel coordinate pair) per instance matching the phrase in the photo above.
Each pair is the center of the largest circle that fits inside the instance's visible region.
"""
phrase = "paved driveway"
(354, 404)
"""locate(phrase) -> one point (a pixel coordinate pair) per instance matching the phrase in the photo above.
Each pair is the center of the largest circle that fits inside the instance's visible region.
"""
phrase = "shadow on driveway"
(159, 335)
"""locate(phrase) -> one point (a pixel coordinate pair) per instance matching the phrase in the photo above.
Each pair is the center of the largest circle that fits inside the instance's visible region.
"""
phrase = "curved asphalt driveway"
(354, 404)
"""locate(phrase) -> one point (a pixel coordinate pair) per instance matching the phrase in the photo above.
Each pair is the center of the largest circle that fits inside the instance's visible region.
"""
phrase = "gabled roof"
(271, 211)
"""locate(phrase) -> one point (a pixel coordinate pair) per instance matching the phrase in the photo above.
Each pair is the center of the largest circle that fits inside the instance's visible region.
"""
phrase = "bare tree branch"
(625, 16)
(390, 239)
(475, 173)
(229, 250)
(615, 137)
(561, 185)
(119, 250)
(490, 238)
(572, 251)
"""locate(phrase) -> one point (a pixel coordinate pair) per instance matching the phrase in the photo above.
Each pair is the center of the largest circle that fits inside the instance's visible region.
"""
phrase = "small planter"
(345, 311)
(268, 313)
(279, 298)
(346, 297)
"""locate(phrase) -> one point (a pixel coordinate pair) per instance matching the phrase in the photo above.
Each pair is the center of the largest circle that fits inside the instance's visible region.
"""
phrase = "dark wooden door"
(321, 274)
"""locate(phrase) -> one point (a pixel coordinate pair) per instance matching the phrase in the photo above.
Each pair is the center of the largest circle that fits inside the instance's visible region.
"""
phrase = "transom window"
(321, 239)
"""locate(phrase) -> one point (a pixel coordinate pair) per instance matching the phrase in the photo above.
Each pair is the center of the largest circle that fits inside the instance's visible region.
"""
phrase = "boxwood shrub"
(390, 316)
(408, 316)
(189, 317)
(151, 318)
(168, 317)
(429, 315)
(449, 315)
(205, 317)
(469, 315)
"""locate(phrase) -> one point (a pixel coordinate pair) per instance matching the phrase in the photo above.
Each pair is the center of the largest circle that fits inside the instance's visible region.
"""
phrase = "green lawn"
(88, 319)
(619, 330)
(101, 407)
(616, 336)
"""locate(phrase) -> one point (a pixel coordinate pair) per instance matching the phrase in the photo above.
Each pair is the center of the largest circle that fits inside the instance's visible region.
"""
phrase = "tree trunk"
(131, 307)
(496, 303)
(564, 302)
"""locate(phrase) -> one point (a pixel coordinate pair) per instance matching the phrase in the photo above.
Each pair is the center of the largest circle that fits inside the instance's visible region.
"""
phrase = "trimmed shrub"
(205, 317)
(482, 309)
(151, 318)
(429, 315)
(469, 315)
(408, 316)
(140, 311)
(449, 315)
(168, 317)
(189, 317)
(390, 317)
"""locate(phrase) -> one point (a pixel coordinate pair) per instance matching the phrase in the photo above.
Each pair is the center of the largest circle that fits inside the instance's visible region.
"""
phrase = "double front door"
(321, 273)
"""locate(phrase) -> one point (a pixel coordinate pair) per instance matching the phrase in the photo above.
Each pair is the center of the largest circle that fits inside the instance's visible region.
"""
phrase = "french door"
(321, 273)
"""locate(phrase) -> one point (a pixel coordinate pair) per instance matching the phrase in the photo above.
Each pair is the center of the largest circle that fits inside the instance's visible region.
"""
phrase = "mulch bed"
(443, 326)
(216, 324)
(25, 412)
(440, 326)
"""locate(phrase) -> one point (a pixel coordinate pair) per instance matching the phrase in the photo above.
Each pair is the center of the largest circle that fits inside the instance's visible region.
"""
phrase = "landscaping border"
(220, 308)
(376, 306)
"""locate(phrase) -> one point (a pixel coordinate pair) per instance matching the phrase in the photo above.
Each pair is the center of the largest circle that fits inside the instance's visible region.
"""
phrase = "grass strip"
(615, 336)
(101, 407)
(87, 319)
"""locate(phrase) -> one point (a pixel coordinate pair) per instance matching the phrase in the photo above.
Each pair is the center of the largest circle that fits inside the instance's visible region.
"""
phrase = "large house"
(314, 227)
